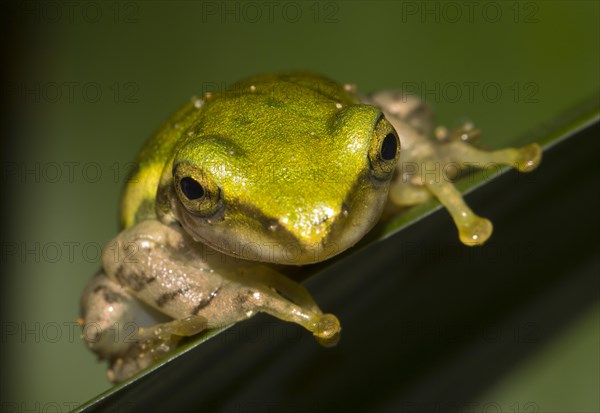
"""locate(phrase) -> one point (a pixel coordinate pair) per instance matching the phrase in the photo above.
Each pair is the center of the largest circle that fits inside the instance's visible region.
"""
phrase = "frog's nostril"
(323, 220)
(272, 225)
(345, 210)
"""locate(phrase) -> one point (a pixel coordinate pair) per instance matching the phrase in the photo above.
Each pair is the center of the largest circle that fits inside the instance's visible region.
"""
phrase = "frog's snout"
(310, 233)
(309, 228)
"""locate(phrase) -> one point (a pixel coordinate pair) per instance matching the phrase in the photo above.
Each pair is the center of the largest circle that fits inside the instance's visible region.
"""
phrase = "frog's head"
(284, 185)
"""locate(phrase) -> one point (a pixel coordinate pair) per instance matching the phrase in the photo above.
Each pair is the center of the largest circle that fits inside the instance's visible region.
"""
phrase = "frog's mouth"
(305, 237)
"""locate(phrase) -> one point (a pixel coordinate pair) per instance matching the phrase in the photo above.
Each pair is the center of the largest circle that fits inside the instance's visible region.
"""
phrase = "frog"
(277, 170)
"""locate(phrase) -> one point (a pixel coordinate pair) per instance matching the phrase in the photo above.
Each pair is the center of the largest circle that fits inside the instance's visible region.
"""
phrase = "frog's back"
(138, 197)
(138, 201)
(291, 84)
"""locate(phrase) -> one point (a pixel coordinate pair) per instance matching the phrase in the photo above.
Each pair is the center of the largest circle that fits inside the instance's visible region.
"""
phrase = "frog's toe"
(530, 157)
(475, 232)
(172, 330)
(327, 330)
(190, 326)
(136, 360)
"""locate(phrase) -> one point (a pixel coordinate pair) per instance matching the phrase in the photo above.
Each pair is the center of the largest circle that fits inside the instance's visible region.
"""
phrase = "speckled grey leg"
(451, 151)
(285, 286)
(153, 343)
(404, 106)
(120, 328)
(247, 300)
(524, 159)
(108, 316)
(167, 270)
(413, 120)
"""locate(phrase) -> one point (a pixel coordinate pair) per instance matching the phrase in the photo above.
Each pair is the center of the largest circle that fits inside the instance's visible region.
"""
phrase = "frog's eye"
(191, 188)
(197, 192)
(385, 149)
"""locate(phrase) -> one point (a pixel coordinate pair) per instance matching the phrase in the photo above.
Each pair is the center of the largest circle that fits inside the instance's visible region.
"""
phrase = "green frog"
(278, 169)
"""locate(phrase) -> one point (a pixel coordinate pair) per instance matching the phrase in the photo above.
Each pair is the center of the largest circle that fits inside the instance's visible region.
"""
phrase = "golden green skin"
(288, 155)
(289, 169)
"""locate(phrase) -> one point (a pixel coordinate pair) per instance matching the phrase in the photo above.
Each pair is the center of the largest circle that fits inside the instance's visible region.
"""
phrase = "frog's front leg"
(297, 306)
(166, 269)
(472, 229)
(455, 148)
(422, 157)
(265, 275)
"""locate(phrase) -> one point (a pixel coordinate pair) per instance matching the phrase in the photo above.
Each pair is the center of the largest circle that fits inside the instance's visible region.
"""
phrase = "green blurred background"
(88, 82)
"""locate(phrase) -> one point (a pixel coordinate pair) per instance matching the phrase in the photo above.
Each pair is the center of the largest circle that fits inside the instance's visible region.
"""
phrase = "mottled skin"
(285, 168)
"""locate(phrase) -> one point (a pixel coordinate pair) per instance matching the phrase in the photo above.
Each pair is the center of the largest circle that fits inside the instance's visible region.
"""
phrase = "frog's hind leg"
(405, 106)
(524, 159)
(149, 344)
(131, 335)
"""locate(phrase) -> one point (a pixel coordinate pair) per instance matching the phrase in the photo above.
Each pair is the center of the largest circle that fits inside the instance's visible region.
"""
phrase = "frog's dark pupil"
(389, 147)
(191, 188)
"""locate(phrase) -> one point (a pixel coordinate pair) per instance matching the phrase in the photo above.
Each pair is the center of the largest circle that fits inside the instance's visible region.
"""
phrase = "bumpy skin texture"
(426, 164)
(288, 168)
(288, 154)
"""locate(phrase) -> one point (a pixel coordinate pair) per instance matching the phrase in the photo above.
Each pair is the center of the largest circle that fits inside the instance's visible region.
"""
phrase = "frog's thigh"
(149, 344)
(405, 106)
(107, 312)
(154, 261)
(118, 327)
(525, 159)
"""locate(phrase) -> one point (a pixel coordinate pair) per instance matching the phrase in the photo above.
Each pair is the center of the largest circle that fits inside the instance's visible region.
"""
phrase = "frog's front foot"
(150, 344)
(456, 146)
(464, 133)
(327, 330)
(474, 231)
(528, 157)
(185, 327)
